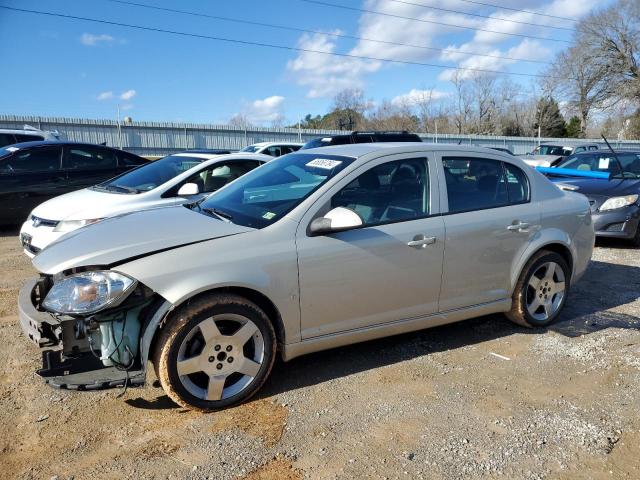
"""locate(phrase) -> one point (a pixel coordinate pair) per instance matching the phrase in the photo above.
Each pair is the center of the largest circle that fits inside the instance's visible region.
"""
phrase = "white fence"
(162, 138)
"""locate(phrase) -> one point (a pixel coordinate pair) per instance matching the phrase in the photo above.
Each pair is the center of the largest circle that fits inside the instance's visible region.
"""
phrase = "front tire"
(541, 291)
(216, 352)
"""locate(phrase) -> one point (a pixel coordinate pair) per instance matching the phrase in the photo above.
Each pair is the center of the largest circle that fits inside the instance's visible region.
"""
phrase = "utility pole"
(119, 127)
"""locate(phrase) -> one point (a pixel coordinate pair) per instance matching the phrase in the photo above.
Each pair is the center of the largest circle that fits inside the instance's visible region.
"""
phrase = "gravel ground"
(478, 399)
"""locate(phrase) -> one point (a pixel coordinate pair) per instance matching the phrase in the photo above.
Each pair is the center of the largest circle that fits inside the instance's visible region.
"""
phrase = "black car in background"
(361, 137)
(32, 172)
(614, 199)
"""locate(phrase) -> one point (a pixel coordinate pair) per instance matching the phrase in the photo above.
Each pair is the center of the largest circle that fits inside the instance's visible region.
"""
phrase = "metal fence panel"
(163, 138)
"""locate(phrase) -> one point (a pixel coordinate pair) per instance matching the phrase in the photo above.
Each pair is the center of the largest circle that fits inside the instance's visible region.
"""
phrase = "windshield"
(552, 150)
(151, 175)
(250, 149)
(268, 193)
(605, 162)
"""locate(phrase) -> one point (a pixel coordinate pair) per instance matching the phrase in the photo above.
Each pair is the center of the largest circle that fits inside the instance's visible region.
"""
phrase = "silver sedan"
(311, 251)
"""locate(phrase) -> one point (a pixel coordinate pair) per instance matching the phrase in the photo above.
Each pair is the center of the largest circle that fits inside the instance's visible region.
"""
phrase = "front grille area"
(43, 222)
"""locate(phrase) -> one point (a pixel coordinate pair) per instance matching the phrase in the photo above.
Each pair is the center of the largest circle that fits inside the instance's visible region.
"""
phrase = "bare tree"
(240, 121)
(462, 102)
(613, 38)
(484, 96)
(388, 116)
(349, 107)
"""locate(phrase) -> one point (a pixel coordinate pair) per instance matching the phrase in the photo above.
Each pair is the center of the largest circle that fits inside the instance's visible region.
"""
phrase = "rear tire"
(215, 352)
(541, 291)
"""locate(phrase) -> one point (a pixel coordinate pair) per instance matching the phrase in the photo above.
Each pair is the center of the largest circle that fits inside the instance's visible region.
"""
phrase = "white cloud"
(91, 40)
(128, 95)
(264, 111)
(105, 95)
(415, 96)
(323, 74)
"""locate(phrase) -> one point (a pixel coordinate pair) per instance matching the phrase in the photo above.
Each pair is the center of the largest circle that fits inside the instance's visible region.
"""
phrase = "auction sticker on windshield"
(324, 163)
(603, 164)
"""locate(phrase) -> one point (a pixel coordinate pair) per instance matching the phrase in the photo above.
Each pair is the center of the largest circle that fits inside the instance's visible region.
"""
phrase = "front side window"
(28, 138)
(151, 175)
(88, 158)
(474, 184)
(605, 162)
(390, 192)
(41, 159)
(217, 176)
(266, 194)
(274, 151)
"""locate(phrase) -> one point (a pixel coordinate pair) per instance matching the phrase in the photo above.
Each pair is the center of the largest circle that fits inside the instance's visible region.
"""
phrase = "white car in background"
(180, 178)
(273, 149)
(9, 136)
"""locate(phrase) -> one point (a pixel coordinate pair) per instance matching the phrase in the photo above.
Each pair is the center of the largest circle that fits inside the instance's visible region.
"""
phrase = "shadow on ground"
(605, 286)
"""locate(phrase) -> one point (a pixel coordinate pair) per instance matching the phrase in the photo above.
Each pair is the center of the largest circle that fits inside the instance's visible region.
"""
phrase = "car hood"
(599, 186)
(116, 240)
(81, 204)
(539, 160)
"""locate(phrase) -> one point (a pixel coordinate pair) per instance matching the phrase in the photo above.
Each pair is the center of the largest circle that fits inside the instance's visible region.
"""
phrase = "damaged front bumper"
(69, 356)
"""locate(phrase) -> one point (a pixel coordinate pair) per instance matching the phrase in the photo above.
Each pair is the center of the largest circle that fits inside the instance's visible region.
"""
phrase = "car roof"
(606, 150)
(356, 150)
(225, 156)
(267, 144)
(22, 130)
(57, 143)
(572, 144)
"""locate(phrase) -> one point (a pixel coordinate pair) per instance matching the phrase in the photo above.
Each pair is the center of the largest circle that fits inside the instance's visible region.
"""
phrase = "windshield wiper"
(221, 214)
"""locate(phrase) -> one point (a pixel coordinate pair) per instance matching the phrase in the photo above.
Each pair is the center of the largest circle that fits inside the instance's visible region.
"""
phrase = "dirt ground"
(478, 399)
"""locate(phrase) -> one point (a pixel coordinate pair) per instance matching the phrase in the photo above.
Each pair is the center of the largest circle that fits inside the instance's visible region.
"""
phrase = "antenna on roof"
(615, 155)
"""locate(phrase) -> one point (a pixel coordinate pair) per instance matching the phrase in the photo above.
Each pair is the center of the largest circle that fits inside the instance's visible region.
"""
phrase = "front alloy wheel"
(216, 352)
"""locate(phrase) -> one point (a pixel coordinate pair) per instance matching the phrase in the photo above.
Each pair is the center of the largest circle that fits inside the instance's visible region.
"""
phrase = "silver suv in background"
(314, 250)
(26, 134)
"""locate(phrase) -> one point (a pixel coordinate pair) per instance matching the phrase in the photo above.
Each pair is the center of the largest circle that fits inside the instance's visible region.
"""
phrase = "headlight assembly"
(69, 225)
(618, 202)
(88, 292)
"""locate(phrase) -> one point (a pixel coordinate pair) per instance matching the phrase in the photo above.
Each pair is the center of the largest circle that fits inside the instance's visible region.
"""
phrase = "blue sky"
(62, 67)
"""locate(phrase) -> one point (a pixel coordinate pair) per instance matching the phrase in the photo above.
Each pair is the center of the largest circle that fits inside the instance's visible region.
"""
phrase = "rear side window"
(28, 138)
(474, 184)
(88, 158)
(517, 184)
(129, 160)
(391, 192)
(217, 176)
(42, 159)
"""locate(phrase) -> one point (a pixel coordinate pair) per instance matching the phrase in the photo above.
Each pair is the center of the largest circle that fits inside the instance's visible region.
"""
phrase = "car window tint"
(80, 158)
(391, 192)
(592, 147)
(474, 183)
(129, 160)
(274, 151)
(6, 139)
(517, 184)
(28, 138)
(42, 159)
(217, 176)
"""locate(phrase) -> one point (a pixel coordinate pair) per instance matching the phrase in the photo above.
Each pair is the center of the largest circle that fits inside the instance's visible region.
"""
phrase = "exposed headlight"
(69, 225)
(88, 292)
(618, 202)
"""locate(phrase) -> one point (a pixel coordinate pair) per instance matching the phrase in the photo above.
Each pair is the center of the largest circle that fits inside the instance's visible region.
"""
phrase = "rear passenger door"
(87, 165)
(489, 220)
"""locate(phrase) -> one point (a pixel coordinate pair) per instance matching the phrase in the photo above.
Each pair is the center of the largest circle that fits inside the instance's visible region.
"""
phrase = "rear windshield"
(604, 162)
(552, 150)
(151, 175)
(250, 149)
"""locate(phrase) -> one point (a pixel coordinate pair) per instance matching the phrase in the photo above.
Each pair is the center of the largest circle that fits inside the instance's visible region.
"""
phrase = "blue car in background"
(612, 186)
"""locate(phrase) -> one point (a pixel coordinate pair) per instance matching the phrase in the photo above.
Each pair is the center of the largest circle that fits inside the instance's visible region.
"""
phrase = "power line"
(318, 32)
(376, 12)
(484, 4)
(471, 14)
(266, 45)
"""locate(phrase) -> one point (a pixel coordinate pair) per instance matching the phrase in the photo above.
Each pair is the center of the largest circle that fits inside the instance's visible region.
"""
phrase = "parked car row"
(315, 249)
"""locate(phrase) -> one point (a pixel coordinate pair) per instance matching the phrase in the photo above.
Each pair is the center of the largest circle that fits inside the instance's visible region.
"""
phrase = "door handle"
(421, 241)
(518, 227)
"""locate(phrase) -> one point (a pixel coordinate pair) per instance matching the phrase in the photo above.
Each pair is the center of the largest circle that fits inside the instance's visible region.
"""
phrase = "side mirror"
(337, 220)
(188, 189)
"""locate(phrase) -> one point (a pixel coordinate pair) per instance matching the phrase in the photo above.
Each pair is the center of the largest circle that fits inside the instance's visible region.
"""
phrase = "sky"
(66, 67)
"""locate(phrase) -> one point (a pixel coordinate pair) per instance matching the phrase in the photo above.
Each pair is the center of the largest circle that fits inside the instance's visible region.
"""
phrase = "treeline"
(591, 88)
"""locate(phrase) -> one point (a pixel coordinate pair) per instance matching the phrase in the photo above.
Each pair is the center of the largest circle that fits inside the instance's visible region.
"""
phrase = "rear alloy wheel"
(541, 290)
(217, 353)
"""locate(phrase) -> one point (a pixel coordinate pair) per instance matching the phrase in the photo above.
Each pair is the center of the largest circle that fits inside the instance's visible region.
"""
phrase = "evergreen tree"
(549, 118)
(573, 127)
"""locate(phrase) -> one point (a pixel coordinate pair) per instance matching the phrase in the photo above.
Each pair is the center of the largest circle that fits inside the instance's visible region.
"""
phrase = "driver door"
(370, 275)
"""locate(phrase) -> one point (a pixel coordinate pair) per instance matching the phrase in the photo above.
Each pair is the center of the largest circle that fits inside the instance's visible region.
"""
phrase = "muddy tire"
(541, 290)
(215, 352)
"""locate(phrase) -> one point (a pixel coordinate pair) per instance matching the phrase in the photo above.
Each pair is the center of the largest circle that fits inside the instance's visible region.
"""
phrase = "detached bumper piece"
(84, 373)
(67, 358)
